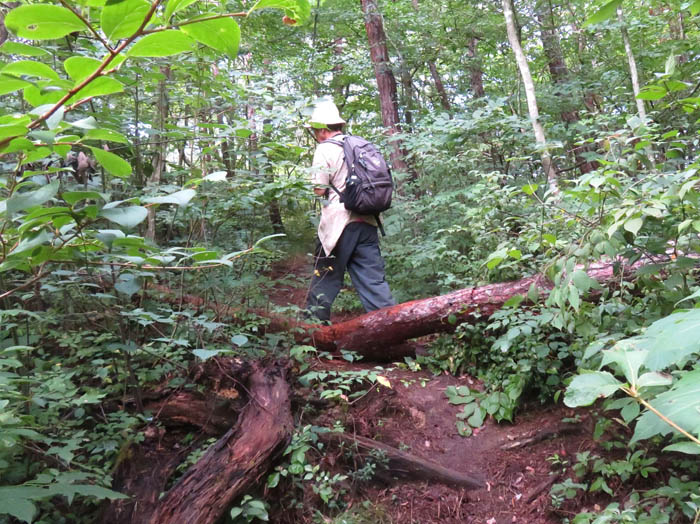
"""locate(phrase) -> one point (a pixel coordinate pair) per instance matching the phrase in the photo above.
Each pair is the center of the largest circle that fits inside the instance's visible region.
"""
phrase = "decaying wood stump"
(238, 460)
(255, 427)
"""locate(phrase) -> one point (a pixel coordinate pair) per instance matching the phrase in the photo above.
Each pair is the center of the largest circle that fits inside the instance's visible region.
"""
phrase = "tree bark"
(238, 460)
(386, 81)
(381, 335)
(555, 59)
(634, 75)
(162, 106)
(476, 74)
(378, 332)
(439, 86)
(547, 164)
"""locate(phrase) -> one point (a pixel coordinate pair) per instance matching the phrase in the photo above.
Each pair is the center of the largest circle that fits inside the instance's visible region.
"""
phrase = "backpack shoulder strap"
(337, 143)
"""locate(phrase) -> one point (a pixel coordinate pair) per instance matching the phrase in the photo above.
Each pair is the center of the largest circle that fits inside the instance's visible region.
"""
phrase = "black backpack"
(369, 185)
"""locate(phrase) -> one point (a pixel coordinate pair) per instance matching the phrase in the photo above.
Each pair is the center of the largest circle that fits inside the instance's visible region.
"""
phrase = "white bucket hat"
(325, 114)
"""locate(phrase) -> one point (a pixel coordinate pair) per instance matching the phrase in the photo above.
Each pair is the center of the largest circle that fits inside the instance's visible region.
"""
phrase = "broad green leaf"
(693, 296)
(239, 340)
(101, 86)
(670, 64)
(128, 217)
(607, 11)
(680, 404)
(297, 10)
(30, 68)
(671, 339)
(105, 134)
(29, 242)
(589, 386)
(181, 198)
(80, 67)
(688, 447)
(116, 165)
(21, 201)
(12, 130)
(8, 84)
(42, 22)
(41, 93)
(205, 354)
(176, 5)
(128, 284)
(222, 34)
(583, 282)
(164, 43)
(108, 236)
(122, 18)
(529, 189)
(633, 225)
(653, 92)
(85, 123)
(654, 378)
(18, 507)
(73, 197)
(17, 48)
(628, 359)
(218, 176)
(695, 8)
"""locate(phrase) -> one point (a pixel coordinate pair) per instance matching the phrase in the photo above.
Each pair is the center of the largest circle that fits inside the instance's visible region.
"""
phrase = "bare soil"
(414, 415)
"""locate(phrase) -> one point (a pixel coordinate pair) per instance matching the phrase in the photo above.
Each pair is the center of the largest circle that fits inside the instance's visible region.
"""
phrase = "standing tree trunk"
(162, 107)
(633, 65)
(555, 59)
(439, 86)
(529, 85)
(386, 82)
(476, 74)
(559, 72)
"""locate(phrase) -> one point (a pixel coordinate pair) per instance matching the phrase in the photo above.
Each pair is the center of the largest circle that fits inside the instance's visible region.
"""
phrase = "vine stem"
(631, 392)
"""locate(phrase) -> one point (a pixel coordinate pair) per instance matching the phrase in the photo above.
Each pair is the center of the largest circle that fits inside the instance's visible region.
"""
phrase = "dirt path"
(414, 415)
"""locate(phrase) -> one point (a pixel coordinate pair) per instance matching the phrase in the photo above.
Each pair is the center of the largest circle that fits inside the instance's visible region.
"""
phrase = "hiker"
(346, 240)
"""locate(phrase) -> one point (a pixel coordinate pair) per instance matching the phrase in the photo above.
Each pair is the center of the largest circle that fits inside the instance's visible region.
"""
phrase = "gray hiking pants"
(358, 251)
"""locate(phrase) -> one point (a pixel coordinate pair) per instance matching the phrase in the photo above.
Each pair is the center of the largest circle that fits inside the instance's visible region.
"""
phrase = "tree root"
(405, 464)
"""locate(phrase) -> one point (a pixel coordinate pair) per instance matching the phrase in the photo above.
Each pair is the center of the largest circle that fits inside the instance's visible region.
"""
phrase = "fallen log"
(238, 460)
(374, 333)
(405, 464)
(381, 334)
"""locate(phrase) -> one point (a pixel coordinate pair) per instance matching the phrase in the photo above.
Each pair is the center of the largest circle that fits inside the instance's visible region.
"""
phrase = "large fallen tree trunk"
(380, 335)
(238, 460)
(376, 332)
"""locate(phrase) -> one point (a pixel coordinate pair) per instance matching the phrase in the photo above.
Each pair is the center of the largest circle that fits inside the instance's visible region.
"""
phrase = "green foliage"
(675, 405)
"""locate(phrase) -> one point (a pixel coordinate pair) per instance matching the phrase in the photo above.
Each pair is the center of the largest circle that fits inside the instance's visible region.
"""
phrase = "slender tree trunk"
(633, 65)
(338, 82)
(476, 74)
(386, 82)
(529, 85)
(555, 59)
(159, 156)
(407, 94)
(439, 86)
(227, 157)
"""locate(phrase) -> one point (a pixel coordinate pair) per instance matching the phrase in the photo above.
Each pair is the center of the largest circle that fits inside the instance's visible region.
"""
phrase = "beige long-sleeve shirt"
(329, 167)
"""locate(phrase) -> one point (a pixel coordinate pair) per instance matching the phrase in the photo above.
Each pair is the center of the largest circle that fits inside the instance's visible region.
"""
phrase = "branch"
(98, 72)
(196, 21)
(89, 26)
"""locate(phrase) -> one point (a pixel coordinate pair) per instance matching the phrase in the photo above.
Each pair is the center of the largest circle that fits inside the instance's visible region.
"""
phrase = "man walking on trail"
(346, 240)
